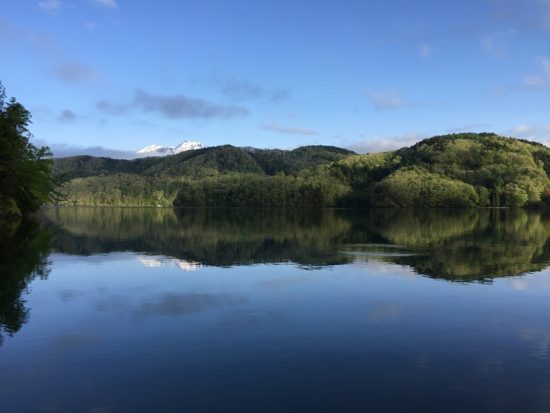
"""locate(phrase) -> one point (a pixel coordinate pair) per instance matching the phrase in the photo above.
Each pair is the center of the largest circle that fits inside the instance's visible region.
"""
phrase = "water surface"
(206, 310)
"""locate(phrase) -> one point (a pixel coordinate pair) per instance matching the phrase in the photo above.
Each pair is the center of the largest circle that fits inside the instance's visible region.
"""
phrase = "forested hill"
(204, 162)
(460, 170)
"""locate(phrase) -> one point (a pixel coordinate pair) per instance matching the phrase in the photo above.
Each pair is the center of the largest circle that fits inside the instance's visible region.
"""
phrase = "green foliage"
(276, 161)
(461, 170)
(25, 173)
(201, 163)
(222, 175)
(360, 171)
(121, 190)
(261, 191)
(413, 186)
(453, 170)
(512, 170)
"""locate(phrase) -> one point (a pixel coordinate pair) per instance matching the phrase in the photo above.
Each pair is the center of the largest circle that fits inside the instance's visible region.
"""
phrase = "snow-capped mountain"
(158, 150)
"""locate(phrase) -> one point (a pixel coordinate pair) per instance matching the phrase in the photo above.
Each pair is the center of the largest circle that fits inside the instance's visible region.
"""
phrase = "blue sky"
(370, 75)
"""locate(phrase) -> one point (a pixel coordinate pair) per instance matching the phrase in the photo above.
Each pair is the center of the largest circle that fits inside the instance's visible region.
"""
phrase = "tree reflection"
(220, 237)
(461, 245)
(471, 245)
(24, 249)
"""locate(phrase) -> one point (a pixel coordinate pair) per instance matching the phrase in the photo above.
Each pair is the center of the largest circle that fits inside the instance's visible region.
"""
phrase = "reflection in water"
(462, 245)
(175, 305)
(161, 262)
(24, 250)
(471, 245)
(119, 327)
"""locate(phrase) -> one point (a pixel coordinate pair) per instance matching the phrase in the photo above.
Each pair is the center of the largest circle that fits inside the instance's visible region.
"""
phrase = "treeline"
(261, 191)
(461, 170)
(156, 181)
(200, 163)
(120, 190)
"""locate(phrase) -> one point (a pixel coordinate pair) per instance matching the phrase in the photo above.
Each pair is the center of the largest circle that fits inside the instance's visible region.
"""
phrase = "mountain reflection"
(461, 245)
(457, 245)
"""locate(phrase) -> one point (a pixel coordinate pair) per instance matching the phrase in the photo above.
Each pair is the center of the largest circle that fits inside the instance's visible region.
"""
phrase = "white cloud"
(387, 100)
(538, 133)
(541, 79)
(384, 144)
(49, 5)
(111, 4)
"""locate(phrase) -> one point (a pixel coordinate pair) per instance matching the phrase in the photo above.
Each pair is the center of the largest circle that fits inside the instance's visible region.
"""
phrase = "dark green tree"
(25, 170)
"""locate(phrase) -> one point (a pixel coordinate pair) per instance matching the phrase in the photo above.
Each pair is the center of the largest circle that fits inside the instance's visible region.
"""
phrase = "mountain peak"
(159, 150)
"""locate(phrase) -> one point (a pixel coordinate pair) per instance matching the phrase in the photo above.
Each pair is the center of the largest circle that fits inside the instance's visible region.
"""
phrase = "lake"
(235, 310)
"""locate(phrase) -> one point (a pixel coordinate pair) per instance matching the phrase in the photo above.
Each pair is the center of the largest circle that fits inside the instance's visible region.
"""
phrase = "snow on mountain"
(158, 150)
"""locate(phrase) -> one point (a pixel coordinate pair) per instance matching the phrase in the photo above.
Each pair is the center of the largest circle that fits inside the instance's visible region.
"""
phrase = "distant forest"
(459, 170)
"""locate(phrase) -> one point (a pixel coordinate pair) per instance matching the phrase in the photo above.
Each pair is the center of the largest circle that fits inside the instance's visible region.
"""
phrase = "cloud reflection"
(169, 262)
(175, 305)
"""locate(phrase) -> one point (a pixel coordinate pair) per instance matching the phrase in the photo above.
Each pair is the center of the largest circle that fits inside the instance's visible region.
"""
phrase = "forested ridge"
(459, 170)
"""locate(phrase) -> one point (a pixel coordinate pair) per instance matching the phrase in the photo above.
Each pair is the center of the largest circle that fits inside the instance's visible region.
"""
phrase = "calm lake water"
(161, 310)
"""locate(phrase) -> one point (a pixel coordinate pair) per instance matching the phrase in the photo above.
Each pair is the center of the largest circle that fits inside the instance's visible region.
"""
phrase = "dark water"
(156, 310)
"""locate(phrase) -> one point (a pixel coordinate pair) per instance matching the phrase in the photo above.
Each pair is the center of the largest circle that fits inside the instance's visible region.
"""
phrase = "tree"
(25, 170)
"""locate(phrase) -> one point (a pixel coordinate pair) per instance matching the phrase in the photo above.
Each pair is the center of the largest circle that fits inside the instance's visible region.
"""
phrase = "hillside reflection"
(465, 245)
(461, 245)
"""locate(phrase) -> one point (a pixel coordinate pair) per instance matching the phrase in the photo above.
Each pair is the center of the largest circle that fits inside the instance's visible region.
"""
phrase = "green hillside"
(461, 170)
(88, 180)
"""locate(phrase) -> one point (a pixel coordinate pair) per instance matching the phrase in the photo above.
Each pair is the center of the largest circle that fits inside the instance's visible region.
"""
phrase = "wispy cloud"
(53, 5)
(524, 15)
(181, 106)
(111, 108)
(545, 4)
(67, 116)
(541, 79)
(61, 150)
(539, 133)
(291, 130)
(49, 5)
(278, 95)
(176, 106)
(495, 43)
(239, 90)
(469, 128)
(74, 72)
(111, 4)
(49, 50)
(387, 100)
(383, 144)
(425, 49)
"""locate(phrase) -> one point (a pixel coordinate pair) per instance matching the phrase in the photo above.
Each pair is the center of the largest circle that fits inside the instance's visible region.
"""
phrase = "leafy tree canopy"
(25, 171)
